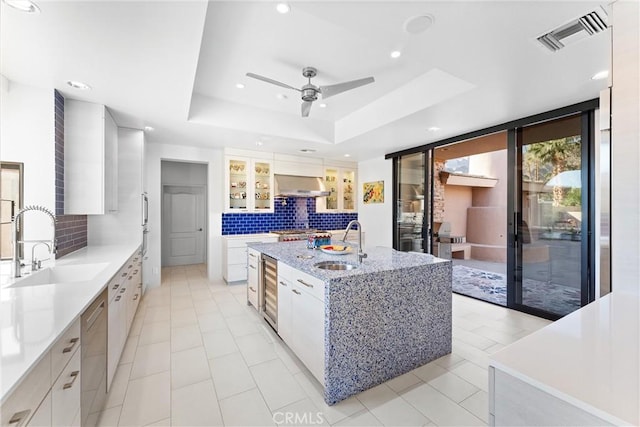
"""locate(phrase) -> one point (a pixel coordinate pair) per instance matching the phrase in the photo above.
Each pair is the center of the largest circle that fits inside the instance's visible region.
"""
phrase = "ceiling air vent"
(583, 27)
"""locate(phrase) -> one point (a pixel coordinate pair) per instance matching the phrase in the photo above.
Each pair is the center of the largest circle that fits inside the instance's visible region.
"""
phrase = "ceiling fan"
(310, 92)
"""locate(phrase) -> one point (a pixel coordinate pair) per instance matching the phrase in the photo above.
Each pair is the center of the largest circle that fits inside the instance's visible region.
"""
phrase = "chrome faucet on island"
(361, 254)
(51, 244)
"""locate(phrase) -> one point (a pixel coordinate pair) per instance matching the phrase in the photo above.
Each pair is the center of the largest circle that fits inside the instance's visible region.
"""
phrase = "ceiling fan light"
(283, 8)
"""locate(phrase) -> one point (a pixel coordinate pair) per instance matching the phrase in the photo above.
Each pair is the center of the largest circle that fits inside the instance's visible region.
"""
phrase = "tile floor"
(197, 355)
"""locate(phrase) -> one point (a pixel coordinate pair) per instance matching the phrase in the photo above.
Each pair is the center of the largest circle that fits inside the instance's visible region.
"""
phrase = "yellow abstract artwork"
(373, 192)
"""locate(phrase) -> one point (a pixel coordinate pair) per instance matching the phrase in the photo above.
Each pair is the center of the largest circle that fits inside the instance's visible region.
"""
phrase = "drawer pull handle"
(20, 417)
(73, 342)
(296, 292)
(118, 298)
(135, 271)
(252, 266)
(116, 286)
(135, 297)
(283, 284)
(252, 255)
(130, 266)
(130, 277)
(251, 288)
(123, 290)
(74, 375)
(305, 283)
(124, 274)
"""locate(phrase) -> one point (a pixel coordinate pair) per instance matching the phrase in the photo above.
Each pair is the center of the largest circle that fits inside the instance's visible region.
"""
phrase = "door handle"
(199, 229)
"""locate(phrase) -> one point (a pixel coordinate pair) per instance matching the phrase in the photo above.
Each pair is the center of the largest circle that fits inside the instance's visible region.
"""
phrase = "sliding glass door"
(513, 210)
(551, 217)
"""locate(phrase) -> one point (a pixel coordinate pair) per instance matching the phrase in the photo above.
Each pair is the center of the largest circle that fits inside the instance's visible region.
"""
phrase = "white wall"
(625, 149)
(124, 225)
(377, 218)
(27, 136)
(214, 159)
(181, 173)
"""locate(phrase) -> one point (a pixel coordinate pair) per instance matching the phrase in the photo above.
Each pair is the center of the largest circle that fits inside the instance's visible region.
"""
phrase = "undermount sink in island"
(356, 328)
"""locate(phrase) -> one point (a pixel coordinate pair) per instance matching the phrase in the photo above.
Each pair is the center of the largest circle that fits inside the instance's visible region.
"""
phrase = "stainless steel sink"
(335, 265)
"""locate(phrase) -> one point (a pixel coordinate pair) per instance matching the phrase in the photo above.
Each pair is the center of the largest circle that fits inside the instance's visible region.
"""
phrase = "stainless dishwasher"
(270, 290)
(94, 359)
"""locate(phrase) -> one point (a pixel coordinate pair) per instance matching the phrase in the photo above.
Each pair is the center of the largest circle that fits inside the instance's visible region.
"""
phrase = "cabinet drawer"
(25, 399)
(236, 272)
(64, 349)
(42, 417)
(237, 256)
(308, 283)
(65, 394)
(253, 258)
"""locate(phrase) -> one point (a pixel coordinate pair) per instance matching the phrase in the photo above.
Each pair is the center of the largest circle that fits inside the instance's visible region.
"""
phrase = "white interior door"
(183, 225)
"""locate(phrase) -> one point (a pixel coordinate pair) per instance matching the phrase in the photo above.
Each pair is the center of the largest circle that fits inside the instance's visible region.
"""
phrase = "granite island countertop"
(379, 259)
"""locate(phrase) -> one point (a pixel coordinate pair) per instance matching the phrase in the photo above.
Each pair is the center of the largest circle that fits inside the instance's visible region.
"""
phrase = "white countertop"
(33, 317)
(590, 358)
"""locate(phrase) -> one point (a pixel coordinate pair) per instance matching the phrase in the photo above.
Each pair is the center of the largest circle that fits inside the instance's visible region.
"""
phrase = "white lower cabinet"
(125, 292)
(301, 317)
(65, 394)
(50, 394)
(234, 255)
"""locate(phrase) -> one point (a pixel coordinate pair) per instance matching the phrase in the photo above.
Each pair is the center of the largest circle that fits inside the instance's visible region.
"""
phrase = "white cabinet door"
(249, 184)
(285, 324)
(91, 159)
(65, 394)
(253, 285)
(42, 416)
(116, 334)
(308, 330)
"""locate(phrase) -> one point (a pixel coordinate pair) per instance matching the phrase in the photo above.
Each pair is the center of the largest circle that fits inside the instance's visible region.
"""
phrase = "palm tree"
(558, 153)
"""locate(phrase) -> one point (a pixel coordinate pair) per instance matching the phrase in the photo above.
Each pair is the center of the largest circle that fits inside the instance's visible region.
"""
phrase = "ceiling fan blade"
(306, 108)
(273, 82)
(331, 90)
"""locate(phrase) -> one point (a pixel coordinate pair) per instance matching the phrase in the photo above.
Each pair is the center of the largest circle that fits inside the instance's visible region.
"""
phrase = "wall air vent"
(580, 28)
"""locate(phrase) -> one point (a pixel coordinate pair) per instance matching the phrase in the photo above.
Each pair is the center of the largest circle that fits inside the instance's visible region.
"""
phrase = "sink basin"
(61, 274)
(335, 265)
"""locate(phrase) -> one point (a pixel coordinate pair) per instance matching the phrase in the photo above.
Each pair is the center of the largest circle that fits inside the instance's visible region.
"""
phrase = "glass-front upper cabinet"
(348, 190)
(340, 182)
(263, 184)
(249, 183)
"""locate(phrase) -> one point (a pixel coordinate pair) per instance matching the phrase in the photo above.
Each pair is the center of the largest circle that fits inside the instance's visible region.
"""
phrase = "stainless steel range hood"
(299, 186)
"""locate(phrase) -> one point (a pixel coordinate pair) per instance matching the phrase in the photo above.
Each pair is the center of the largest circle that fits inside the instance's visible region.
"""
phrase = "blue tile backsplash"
(294, 213)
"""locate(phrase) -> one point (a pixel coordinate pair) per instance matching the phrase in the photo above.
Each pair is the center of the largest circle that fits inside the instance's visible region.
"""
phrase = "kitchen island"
(389, 315)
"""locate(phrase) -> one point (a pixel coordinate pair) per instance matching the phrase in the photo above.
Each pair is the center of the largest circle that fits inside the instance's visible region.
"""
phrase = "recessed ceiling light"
(418, 24)
(23, 5)
(396, 54)
(307, 150)
(347, 155)
(78, 85)
(259, 143)
(323, 105)
(433, 129)
(282, 96)
(283, 8)
(239, 85)
(600, 75)
(148, 129)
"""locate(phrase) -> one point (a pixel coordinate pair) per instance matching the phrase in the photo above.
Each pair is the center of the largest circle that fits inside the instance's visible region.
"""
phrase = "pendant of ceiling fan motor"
(309, 91)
